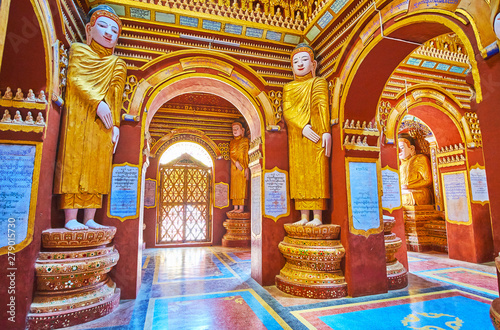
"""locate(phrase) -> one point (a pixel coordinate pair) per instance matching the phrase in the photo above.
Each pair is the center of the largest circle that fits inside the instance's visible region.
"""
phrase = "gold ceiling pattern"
(440, 61)
(204, 112)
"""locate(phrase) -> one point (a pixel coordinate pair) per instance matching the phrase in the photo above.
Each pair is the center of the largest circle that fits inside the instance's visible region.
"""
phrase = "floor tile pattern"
(211, 288)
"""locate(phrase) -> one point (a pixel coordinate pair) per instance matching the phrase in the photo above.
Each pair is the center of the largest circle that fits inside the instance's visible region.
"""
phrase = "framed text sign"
(221, 192)
(150, 193)
(478, 185)
(256, 206)
(363, 187)
(456, 198)
(276, 197)
(19, 175)
(391, 197)
(124, 187)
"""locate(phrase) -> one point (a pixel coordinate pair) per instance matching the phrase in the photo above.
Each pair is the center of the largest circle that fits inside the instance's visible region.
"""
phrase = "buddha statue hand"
(238, 165)
(104, 113)
(308, 132)
(115, 137)
(247, 173)
(327, 144)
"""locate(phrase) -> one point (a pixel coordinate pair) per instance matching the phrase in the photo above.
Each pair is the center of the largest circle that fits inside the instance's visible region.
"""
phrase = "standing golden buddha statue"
(240, 173)
(91, 119)
(305, 109)
(416, 173)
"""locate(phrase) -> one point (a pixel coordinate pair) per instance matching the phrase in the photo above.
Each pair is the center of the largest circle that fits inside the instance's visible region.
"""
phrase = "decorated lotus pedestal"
(237, 230)
(312, 268)
(72, 283)
(424, 228)
(437, 233)
(397, 276)
(495, 305)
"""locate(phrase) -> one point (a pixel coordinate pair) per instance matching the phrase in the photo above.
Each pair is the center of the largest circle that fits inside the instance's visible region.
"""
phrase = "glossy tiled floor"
(211, 288)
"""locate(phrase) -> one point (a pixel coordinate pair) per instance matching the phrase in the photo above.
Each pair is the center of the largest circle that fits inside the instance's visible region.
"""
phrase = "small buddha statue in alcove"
(19, 95)
(8, 94)
(6, 117)
(29, 119)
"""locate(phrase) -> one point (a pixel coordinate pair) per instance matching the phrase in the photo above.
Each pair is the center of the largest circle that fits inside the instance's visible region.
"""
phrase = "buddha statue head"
(238, 129)
(303, 61)
(104, 27)
(406, 146)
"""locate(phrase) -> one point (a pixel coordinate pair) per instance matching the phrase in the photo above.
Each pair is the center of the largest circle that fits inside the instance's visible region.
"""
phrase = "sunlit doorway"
(185, 173)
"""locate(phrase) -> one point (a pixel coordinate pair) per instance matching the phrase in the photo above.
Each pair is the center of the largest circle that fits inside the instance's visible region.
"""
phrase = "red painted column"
(267, 260)
(389, 157)
(489, 118)
(365, 264)
(128, 242)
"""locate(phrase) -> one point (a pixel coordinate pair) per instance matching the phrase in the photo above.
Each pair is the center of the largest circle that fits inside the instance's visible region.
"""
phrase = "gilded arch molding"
(361, 51)
(441, 103)
(186, 135)
(212, 73)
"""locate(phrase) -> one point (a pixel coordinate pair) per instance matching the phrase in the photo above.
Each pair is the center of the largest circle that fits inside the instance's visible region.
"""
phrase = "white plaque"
(456, 199)
(256, 213)
(478, 185)
(276, 197)
(391, 198)
(150, 193)
(16, 177)
(364, 198)
(123, 200)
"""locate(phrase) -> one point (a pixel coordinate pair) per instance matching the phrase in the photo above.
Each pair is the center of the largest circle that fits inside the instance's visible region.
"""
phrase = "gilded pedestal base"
(238, 230)
(63, 238)
(425, 229)
(67, 318)
(72, 283)
(495, 313)
(397, 275)
(312, 268)
(495, 305)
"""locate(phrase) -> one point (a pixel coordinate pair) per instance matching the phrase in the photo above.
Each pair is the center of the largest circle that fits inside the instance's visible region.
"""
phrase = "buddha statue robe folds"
(416, 173)
(238, 153)
(305, 102)
(83, 170)
(416, 179)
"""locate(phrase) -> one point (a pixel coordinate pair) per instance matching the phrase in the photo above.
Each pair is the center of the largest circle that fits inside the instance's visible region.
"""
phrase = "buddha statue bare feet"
(75, 225)
(91, 224)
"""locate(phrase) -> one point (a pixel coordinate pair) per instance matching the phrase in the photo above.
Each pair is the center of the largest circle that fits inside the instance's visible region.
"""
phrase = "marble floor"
(211, 288)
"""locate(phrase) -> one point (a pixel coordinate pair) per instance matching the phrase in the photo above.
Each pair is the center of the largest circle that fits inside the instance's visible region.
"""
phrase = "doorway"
(185, 207)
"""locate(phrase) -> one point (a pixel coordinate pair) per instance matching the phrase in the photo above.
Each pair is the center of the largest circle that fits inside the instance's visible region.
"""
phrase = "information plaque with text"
(364, 203)
(124, 187)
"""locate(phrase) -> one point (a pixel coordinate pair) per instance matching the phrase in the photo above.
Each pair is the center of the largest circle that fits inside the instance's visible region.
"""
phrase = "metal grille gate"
(184, 202)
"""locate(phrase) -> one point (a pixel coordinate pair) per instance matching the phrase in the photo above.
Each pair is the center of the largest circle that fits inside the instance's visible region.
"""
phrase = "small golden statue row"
(8, 95)
(459, 146)
(452, 159)
(355, 141)
(18, 119)
(358, 125)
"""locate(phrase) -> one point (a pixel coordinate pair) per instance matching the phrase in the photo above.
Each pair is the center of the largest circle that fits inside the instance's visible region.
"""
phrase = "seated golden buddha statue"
(416, 173)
